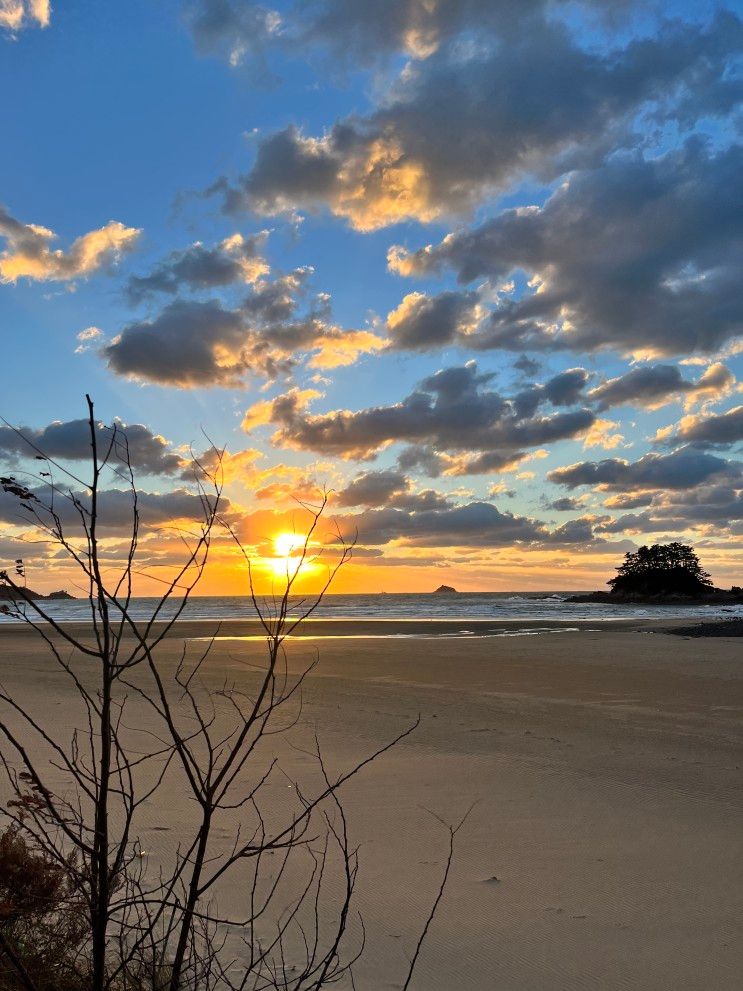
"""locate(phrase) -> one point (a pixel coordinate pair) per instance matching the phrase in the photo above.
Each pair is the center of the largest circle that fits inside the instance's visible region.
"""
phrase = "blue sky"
(535, 188)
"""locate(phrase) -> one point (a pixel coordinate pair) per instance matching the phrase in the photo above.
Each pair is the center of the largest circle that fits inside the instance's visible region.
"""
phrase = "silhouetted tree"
(661, 569)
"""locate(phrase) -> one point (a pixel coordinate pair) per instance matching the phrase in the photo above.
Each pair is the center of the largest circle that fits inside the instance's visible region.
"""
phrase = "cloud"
(70, 441)
(531, 102)
(718, 503)
(248, 468)
(338, 348)
(500, 488)
(654, 386)
(230, 466)
(419, 456)
(389, 488)
(682, 469)
(640, 256)
(236, 259)
(114, 507)
(202, 343)
(424, 323)
(291, 485)
(355, 29)
(28, 252)
(628, 500)
(485, 463)
(476, 524)
(354, 32)
(566, 504)
(452, 410)
(579, 531)
(527, 366)
(285, 407)
(231, 29)
(714, 506)
(87, 339)
(373, 488)
(187, 344)
(18, 14)
(717, 430)
(564, 389)
(604, 433)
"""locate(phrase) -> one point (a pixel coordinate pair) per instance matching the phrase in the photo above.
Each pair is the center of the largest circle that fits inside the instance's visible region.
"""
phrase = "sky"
(469, 267)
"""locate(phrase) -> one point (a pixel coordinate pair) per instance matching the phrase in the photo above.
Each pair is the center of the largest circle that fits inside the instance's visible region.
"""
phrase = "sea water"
(494, 606)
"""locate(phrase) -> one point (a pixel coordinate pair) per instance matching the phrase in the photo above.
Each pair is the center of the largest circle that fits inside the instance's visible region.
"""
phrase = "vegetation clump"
(662, 574)
(42, 922)
(661, 569)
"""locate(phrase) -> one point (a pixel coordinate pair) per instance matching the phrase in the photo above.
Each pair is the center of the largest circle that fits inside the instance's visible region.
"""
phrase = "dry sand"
(606, 765)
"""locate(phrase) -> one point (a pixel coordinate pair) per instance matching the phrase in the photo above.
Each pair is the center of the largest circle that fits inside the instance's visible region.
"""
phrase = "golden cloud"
(17, 14)
(600, 435)
(263, 412)
(29, 253)
(343, 348)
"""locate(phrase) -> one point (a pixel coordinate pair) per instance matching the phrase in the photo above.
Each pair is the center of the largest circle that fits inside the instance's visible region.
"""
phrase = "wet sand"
(606, 766)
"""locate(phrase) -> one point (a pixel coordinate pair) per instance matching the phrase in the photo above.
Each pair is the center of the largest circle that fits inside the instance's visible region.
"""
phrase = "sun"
(286, 543)
(287, 562)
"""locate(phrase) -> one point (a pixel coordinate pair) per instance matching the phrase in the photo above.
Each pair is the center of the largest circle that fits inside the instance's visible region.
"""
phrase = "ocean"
(492, 606)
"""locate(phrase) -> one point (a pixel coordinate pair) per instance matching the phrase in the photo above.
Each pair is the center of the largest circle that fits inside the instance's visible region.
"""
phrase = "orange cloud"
(29, 253)
(264, 411)
(301, 490)
(600, 435)
(344, 347)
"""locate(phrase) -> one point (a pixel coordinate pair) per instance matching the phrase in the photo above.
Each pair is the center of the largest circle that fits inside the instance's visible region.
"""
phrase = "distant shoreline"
(716, 597)
(28, 595)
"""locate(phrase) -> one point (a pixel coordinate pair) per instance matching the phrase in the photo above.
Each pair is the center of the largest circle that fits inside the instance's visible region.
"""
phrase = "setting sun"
(286, 543)
(288, 560)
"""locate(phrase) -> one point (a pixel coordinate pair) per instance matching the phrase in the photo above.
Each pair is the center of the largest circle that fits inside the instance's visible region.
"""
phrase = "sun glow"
(288, 550)
(286, 543)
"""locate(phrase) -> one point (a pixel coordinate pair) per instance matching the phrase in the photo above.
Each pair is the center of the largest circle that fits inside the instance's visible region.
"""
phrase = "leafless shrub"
(72, 868)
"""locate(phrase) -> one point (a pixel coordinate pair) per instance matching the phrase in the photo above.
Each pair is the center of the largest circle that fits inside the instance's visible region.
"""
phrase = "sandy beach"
(605, 848)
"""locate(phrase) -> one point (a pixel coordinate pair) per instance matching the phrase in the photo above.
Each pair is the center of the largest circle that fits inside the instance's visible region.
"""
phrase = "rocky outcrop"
(11, 595)
(712, 597)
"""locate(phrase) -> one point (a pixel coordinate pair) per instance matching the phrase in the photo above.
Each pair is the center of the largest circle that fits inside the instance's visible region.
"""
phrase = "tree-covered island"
(662, 573)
